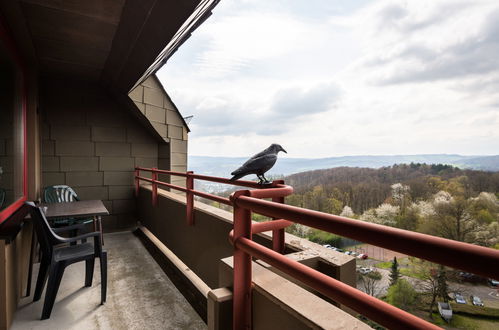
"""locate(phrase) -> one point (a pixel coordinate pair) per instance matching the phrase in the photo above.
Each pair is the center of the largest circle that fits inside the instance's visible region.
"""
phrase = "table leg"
(100, 228)
(31, 257)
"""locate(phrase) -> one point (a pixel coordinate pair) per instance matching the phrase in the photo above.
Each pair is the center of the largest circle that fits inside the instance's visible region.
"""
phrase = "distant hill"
(223, 166)
(486, 163)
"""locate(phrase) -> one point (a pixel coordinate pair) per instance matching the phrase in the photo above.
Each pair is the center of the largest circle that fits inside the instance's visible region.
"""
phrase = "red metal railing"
(277, 190)
(475, 259)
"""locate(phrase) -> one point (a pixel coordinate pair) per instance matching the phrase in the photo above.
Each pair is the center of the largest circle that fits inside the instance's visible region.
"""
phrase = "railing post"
(137, 182)
(189, 184)
(154, 187)
(278, 238)
(242, 267)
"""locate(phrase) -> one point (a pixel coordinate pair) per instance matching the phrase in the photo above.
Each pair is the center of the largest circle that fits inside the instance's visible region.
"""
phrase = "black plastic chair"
(2, 197)
(57, 254)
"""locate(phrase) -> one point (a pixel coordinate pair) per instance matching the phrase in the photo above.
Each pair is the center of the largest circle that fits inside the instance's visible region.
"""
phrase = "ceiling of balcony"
(113, 41)
(72, 37)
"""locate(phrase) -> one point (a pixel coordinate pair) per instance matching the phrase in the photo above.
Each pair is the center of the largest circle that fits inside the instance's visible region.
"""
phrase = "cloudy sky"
(333, 78)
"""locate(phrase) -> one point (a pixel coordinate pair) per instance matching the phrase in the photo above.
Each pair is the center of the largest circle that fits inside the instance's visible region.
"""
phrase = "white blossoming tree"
(385, 214)
(400, 194)
(347, 212)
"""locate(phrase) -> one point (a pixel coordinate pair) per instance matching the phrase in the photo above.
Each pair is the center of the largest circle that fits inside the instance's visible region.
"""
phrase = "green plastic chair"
(63, 194)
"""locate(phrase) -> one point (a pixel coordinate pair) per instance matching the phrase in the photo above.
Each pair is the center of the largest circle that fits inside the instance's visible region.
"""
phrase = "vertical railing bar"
(278, 236)
(189, 184)
(137, 182)
(242, 313)
(154, 186)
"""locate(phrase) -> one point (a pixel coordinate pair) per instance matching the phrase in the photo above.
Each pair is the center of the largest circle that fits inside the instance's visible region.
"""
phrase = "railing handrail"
(472, 258)
(275, 190)
(464, 256)
(241, 183)
(340, 292)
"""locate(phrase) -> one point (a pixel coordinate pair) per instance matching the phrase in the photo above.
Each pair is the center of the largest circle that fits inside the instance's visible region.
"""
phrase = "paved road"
(489, 295)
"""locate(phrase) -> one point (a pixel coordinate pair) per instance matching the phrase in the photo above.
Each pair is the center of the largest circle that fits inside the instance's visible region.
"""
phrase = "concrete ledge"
(220, 309)
(186, 281)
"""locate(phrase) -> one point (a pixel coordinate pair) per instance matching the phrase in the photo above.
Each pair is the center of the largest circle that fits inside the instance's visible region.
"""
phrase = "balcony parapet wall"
(202, 247)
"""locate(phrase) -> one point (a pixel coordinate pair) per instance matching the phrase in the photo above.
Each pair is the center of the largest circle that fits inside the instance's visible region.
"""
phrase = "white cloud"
(383, 78)
(235, 42)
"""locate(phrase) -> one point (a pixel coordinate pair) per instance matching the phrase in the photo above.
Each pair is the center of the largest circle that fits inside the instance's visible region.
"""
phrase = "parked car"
(354, 254)
(476, 301)
(362, 256)
(493, 282)
(365, 270)
(327, 246)
(469, 277)
(459, 298)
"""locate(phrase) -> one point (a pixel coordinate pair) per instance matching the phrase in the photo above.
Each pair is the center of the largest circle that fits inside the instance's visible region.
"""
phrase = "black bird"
(259, 164)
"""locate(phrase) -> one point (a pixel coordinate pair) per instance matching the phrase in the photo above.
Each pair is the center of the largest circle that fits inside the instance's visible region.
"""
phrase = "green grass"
(473, 311)
(409, 272)
(473, 323)
(404, 271)
(466, 322)
(385, 265)
(438, 320)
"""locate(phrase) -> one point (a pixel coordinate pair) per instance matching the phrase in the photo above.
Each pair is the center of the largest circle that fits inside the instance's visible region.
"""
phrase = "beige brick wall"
(92, 144)
(151, 99)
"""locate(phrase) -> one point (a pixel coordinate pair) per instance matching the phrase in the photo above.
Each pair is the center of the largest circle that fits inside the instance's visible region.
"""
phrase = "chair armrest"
(95, 234)
(68, 228)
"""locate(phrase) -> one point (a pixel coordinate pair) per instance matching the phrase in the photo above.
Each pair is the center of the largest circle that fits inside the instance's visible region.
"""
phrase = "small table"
(76, 209)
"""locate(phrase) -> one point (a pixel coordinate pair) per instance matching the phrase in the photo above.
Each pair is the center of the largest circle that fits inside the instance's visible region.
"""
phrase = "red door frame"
(7, 40)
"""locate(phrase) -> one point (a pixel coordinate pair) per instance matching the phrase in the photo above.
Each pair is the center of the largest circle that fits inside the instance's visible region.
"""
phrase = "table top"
(75, 209)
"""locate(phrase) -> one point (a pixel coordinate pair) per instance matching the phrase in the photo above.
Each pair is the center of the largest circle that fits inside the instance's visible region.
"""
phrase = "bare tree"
(433, 283)
(370, 283)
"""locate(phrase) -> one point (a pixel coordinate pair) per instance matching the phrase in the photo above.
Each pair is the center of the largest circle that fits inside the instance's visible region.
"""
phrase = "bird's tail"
(237, 177)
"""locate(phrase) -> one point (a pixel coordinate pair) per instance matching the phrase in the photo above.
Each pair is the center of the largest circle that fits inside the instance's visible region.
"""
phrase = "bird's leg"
(260, 178)
(265, 179)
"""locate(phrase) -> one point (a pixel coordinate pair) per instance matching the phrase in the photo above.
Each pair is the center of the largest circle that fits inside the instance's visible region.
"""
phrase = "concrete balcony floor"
(139, 296)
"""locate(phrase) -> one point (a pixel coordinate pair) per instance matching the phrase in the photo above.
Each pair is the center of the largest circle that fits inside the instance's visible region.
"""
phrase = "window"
(12, 129)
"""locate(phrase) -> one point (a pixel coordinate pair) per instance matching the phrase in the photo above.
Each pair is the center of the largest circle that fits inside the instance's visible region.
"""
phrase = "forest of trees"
(439, 199)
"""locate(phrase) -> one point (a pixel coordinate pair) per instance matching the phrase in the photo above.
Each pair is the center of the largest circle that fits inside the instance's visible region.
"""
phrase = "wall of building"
(14, 255)
(14, 261)
(153, 101)
(92, 144)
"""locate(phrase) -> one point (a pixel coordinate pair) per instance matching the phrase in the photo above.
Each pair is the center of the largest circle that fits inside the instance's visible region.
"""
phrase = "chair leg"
(73, 233)
(55, 276)
(89, 271)
(103, 276)
(42, 277)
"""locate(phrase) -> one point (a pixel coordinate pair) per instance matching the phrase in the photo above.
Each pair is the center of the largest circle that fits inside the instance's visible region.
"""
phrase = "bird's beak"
(282, 149)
